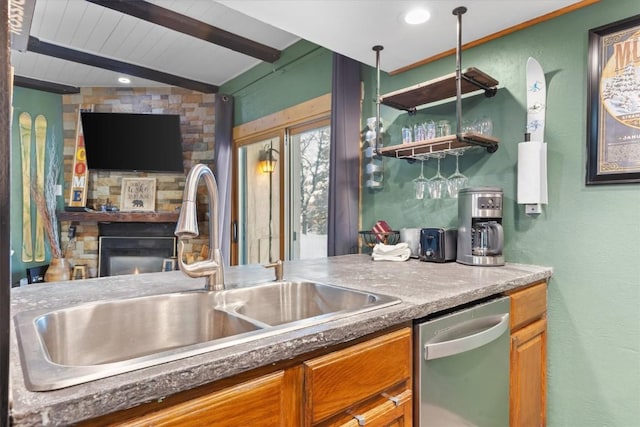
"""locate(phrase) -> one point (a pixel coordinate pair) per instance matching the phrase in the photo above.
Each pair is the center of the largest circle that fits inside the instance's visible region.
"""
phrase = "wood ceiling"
(201, 44)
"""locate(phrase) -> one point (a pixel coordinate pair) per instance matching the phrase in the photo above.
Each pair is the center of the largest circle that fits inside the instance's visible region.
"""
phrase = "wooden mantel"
(97, 216)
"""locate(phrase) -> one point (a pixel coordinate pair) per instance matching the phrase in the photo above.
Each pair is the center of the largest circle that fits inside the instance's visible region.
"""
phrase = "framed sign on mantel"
(138, 195)
(613, 108)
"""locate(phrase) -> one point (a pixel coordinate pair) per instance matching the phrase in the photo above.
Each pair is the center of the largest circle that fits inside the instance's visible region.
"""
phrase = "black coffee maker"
(480, 233)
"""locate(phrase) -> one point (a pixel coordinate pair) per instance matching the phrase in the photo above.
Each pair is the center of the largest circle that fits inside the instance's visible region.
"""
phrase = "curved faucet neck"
(187, 227)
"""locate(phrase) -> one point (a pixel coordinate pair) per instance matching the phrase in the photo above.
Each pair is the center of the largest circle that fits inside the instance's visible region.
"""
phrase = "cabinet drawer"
(528, 305)
(254, 403)
(339, 380)
(397, 412)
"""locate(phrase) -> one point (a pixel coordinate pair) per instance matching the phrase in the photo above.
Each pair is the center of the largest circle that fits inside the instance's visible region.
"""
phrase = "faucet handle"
(278, 268)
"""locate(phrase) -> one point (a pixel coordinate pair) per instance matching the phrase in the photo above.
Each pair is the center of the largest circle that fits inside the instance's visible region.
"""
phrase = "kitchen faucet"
(187, 227)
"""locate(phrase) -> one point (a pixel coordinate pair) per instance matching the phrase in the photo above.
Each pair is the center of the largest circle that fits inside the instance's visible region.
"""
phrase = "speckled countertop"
(424, 288)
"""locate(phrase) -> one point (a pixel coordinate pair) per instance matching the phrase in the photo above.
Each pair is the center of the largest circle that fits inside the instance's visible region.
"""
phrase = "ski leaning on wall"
(25, 149)
(41, 137)
(29, 128)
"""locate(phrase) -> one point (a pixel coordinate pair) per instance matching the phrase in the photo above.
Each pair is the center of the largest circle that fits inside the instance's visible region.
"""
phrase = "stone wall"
(196, 112)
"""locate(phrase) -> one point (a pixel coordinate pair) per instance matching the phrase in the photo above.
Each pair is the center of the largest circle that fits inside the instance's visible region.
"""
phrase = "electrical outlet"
(58, 190)
(72, 232)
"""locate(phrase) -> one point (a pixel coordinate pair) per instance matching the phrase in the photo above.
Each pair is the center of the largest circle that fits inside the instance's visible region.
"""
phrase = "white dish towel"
(399, 252)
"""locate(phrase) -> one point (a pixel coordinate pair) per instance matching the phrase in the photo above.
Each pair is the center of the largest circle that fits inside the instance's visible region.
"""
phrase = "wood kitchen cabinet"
(368, 381)
(528, 356)
(367, 384)
(266, 401)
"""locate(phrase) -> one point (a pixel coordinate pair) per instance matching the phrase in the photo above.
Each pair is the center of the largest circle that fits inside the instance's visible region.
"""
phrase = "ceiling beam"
(49, 49)
(44, 85)
(187, 25)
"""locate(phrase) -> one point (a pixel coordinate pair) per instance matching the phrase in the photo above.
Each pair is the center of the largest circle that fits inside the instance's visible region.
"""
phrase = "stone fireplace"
(134, 247)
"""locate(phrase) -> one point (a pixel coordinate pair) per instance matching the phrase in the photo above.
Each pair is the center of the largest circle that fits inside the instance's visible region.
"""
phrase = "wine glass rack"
(455, 84)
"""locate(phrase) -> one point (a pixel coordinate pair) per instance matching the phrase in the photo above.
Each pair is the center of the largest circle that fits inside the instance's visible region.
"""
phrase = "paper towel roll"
(532, 172)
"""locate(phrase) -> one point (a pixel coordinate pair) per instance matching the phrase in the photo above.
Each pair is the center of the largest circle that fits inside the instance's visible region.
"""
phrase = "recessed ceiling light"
(124, 80)
(417, 16)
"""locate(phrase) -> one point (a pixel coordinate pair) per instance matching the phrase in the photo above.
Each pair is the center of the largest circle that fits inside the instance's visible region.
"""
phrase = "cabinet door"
(528, 375)
(344, 379)
(258, 403)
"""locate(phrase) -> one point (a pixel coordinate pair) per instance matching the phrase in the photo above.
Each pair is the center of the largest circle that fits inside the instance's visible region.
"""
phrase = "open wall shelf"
(438, 89)
(430, 148)
(97, 216)
(451, 85)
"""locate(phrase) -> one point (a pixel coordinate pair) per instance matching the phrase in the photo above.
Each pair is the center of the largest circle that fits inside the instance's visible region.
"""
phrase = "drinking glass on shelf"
(430, 128)
(437, 184)
(444, 128)
(407, 135)
(457, 181)
(469, 125)
(420, 183)
(485, 125)
(419, 132)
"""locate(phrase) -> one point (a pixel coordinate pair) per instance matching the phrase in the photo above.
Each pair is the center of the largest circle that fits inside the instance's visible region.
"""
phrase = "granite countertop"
(424, 288)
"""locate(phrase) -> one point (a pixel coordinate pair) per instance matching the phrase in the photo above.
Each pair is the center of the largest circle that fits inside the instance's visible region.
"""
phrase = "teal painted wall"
(303, 72)
(50, 105)
(589, 235)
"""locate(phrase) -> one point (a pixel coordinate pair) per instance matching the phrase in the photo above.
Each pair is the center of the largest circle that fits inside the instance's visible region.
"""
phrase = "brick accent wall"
(196, 112)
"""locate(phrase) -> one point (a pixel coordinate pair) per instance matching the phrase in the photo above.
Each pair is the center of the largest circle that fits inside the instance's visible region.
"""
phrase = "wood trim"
(50, 49)
(312, 109)
(296, 130)
(187, 25)
(497, 35)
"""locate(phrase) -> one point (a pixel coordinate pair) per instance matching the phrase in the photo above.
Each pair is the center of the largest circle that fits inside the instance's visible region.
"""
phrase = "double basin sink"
(85, 342)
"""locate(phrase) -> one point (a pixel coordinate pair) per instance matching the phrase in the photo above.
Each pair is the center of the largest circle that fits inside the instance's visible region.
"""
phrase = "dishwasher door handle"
(492, 327)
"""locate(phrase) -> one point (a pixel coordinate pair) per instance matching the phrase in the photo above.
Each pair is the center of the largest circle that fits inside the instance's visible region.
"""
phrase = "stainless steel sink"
(89, 341)
(285, 302)
(114, 331)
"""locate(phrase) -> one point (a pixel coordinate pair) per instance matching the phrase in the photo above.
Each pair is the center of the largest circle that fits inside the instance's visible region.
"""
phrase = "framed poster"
(613, 108)
(138, 195)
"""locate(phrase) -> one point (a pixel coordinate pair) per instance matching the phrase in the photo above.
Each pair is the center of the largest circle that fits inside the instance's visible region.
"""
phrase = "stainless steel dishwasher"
(461, 367)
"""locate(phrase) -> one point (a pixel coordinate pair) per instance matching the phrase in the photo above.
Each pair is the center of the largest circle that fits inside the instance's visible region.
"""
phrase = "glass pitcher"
(488, 238)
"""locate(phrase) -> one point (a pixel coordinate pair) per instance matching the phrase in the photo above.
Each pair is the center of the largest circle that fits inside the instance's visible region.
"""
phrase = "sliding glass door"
(257, 227)
(309, 190)
(281, 184)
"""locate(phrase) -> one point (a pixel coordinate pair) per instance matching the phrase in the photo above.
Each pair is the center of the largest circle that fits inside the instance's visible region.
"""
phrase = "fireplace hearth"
(134, 248)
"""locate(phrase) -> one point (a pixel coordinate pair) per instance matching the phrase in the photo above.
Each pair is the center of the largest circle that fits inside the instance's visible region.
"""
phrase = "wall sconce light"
(266, 159)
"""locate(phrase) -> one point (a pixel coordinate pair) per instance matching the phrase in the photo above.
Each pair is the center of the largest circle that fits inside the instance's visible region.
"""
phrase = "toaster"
(438, 244)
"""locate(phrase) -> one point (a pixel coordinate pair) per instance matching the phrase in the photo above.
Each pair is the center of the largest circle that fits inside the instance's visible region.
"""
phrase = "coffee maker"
(480, 233)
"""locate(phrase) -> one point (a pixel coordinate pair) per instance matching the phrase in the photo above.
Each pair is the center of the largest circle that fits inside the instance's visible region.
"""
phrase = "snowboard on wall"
(536, 100)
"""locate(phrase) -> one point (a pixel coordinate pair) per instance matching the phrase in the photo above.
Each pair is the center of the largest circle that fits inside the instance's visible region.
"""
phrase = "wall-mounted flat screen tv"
(133, 142)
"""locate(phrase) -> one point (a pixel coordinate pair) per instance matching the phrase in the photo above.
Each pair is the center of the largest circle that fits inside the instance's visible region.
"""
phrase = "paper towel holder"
(532, 175)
